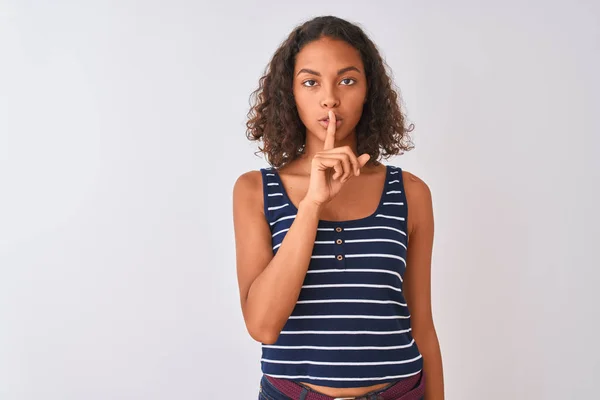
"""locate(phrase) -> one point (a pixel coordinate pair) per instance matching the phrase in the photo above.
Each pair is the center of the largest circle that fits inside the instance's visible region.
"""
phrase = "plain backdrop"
(122, 132)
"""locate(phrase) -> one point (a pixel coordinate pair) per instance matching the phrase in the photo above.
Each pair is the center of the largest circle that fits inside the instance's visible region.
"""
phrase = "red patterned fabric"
(412, 388)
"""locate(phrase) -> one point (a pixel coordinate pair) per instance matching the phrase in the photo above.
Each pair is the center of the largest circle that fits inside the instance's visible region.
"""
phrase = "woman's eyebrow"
(341, 71)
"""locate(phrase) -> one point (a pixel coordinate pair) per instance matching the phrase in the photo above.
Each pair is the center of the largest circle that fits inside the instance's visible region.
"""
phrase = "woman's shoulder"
(248, 188)
(414, 186)
(249, 178)
(418, 199)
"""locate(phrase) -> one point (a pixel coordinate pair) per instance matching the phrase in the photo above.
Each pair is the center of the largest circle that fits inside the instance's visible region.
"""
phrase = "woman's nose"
(330, 99)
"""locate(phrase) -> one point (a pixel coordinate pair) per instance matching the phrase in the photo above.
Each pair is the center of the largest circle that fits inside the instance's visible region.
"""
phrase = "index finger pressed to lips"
(330, 137)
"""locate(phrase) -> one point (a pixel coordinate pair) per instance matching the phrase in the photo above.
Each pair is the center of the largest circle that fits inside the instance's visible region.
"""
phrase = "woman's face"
(329, 75)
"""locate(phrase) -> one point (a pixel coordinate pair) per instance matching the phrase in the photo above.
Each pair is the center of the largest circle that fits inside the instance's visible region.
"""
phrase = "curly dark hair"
(273, 116)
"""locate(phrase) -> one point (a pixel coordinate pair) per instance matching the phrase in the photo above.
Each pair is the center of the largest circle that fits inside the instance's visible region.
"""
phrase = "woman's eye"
(312, 82)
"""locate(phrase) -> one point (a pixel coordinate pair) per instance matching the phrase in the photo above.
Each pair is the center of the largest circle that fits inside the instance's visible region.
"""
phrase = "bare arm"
(417, 282)
(269, 285)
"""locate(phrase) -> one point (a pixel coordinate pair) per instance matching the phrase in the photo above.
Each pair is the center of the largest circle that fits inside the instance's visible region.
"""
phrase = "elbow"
(263, 333)
(426, 339)
(267, 338)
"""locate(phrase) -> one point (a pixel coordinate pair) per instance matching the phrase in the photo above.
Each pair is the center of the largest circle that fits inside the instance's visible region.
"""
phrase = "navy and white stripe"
(351, 325)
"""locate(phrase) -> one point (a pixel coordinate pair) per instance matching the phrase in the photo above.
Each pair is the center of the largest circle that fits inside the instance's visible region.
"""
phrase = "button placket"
(339, 246)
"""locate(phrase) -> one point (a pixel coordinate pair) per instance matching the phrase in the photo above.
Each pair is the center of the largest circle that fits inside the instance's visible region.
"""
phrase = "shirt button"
(339, 241)
(340, 257)
(338, 229)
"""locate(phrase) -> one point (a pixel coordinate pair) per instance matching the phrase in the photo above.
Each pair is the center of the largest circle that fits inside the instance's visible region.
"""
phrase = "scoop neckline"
(343, 222)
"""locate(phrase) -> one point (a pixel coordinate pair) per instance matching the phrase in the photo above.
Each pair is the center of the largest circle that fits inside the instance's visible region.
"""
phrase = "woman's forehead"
(327, 57)
(327, 47)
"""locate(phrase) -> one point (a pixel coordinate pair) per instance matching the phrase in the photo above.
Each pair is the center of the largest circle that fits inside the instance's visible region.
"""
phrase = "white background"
(122, 133)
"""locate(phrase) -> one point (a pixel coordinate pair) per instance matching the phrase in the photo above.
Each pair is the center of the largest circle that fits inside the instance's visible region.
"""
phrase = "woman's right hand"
(332, 167)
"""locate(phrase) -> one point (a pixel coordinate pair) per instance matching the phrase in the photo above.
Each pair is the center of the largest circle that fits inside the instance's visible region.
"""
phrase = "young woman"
(333, 248)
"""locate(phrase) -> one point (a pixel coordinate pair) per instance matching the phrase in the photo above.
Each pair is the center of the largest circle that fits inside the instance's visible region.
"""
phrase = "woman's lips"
(325, 123)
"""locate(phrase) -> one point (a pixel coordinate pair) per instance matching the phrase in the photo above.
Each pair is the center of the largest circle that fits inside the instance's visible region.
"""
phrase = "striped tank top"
(351, 325)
